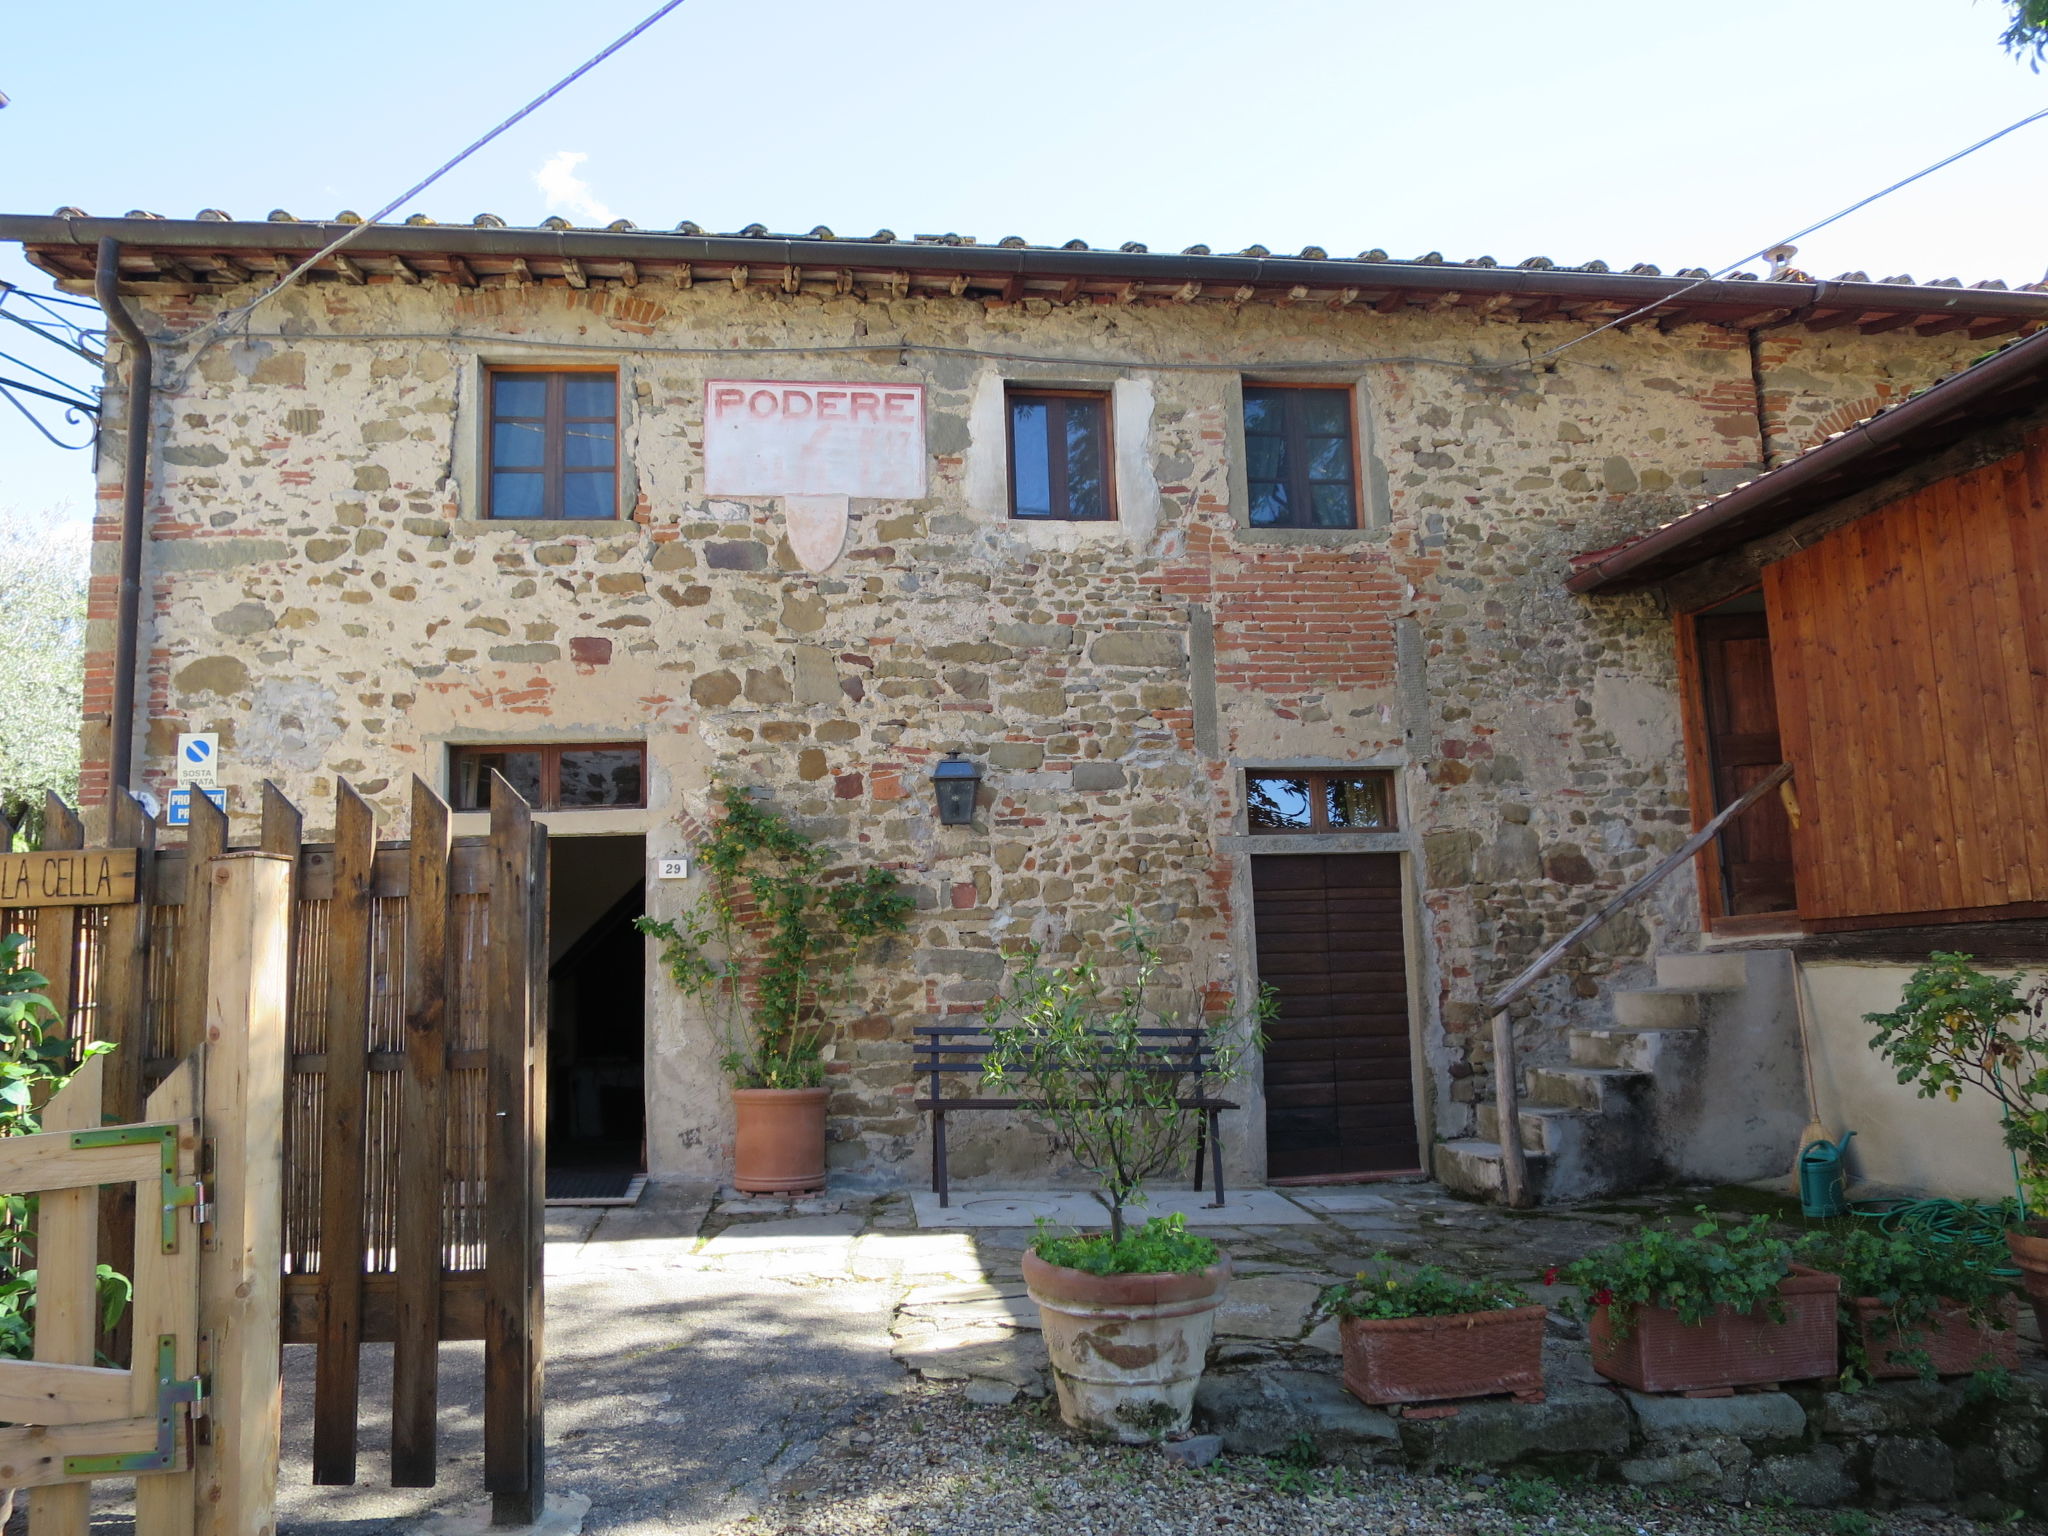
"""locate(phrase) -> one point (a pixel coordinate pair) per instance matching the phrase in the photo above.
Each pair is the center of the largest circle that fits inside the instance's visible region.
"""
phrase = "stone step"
(1704, 972)
(1598, 1089)
(1472, 1167)
(1631, 1050)
(1544, 1129)
(1659, 1007)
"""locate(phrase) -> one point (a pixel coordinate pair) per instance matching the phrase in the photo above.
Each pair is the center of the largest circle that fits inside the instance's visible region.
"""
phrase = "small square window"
(1060, 456)
(548, 778)
(553, 449)
(1300, 467)
(1319, 802)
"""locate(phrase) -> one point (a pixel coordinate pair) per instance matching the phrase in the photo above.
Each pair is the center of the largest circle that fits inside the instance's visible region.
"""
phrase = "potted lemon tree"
(1957, 1028)
(772, 946)
(1128, 1312)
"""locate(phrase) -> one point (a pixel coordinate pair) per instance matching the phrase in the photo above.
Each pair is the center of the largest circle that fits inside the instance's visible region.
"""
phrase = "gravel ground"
(929, 1463)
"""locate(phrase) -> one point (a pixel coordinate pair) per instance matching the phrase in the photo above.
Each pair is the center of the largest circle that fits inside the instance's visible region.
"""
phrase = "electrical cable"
(201, 337)
(1634, 314)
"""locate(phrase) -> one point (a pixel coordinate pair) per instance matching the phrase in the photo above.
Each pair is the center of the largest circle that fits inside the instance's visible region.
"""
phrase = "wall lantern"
(954, 781)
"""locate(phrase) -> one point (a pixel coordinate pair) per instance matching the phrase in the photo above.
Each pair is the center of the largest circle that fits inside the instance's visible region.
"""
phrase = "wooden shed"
(1875, 612)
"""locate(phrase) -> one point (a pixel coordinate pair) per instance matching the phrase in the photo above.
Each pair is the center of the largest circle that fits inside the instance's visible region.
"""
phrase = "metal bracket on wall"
(175, 1195)
(170, 1392)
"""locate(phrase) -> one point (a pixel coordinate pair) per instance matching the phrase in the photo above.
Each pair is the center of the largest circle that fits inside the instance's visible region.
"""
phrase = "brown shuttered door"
(1339, 1091)
(1742, 744)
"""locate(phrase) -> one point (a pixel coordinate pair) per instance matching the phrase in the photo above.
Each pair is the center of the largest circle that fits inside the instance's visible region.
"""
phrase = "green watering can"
(1821, 1181)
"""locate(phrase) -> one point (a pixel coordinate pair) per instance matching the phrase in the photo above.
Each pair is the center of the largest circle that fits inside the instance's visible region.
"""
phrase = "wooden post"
(513, 1462)
(167, 1302)
(67, 1288)
(122, 997)
(336, 1370)
(422, 1144)
(242, 1118)
(205, 838)
(1507, 1107)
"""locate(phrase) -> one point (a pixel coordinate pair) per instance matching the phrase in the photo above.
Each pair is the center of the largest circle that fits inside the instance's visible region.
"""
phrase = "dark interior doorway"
(1739, 705)
(1340, 1084)
(597, 1107)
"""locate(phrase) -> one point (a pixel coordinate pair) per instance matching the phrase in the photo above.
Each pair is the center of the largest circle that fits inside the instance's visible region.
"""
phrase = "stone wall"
(324, 598)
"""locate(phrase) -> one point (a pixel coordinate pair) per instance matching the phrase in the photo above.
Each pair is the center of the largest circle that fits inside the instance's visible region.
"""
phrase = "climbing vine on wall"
(773, 942)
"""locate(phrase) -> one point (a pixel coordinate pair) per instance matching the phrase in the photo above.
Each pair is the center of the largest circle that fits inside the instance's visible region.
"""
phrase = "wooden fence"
(415, 1088)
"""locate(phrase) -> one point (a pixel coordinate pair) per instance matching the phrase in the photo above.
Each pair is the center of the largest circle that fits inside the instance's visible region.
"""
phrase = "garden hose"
(1941, 1221)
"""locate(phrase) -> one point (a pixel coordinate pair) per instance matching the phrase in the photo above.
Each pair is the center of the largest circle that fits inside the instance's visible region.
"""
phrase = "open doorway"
(597, 1107)
(1750, 873)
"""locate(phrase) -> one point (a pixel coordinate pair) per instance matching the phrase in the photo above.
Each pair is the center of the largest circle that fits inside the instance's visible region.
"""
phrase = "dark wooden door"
(1742, 745)
(1340, 1095)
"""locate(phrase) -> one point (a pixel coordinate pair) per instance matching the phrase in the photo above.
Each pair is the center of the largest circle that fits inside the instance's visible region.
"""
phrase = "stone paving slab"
(1023, 1208)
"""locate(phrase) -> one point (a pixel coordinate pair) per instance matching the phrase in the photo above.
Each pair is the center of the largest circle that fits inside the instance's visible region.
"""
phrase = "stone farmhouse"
(1242, 579)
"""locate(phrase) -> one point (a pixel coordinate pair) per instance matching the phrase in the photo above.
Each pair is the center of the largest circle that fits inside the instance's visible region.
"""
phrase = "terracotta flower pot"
(1727, 1348)
(1127, 1350)
(1954, 1345)
(779, 1147)
(2028, 1243)
(1422, 1359)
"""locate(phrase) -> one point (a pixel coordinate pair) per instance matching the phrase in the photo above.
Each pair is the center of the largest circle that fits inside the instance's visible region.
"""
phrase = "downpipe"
(134, 477)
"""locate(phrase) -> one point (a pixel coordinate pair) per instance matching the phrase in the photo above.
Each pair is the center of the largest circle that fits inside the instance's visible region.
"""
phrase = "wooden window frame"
(550, 754)
(1056, 468)
(1299, 504)
(1319, 803)
(554, 424)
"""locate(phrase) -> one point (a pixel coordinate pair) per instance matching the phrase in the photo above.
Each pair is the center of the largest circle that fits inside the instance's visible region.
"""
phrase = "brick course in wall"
(322, 596)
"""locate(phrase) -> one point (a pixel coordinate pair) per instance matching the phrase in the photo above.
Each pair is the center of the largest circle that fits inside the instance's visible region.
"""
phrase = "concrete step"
(1472, 1167)
(1544, 1128)
(1601, 1090)
(1661, 1007)
(1631, 1050)
(1704, 972)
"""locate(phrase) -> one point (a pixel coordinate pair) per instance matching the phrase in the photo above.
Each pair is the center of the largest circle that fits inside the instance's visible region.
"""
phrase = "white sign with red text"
(763, 438)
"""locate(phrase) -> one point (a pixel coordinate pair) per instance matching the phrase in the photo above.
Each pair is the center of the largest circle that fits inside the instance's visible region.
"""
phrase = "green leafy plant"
(1530, 1495)
(1381, 1292)
(33, 1065)
(1090, 1063)
(1162, 1246)
(1690, 1272)
(1956, 1028)
(1911, 1275)
(773, 943)
(2026, 31)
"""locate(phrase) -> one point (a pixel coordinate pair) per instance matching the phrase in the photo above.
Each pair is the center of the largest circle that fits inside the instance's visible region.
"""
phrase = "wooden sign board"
(68, 877)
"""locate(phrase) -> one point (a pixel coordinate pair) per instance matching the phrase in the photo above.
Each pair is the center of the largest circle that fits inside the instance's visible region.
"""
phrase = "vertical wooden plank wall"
(512, 1421)
(337, 1370)
(1909, 649)
(423, 1138)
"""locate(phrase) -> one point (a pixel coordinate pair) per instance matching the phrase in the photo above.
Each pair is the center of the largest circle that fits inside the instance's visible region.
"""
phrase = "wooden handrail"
(1506, 1090)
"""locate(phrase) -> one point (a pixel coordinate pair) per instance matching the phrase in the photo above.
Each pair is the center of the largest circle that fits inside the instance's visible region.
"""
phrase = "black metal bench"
(956, 1048)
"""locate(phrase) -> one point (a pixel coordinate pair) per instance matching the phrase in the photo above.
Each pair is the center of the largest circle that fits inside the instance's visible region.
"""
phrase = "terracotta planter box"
(1953, 1344)
(2028, 1244)
(1728, 1348)
(1426, 1359)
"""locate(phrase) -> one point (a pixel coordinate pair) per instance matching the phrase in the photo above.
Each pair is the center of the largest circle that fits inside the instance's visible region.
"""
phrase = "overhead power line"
(207, 333)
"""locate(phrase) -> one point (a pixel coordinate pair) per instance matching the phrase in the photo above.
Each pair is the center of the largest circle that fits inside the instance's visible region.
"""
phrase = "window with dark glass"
(1301, 801)
(554, 444)
(1299, 468)
(1059, 456)
(552, 778)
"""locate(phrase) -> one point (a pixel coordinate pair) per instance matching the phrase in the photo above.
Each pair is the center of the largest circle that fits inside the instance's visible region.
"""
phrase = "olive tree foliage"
(2027, 31)
(42, 663)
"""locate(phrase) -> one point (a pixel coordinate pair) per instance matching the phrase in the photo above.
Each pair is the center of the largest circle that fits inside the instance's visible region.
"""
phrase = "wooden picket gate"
(413, 1090)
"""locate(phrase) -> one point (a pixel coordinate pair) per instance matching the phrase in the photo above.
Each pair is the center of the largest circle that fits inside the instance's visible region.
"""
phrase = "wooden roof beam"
(629, 274)
(460, 272)
(572, 273)
(1877, 327)
(1834, 319)
(403, 270)
(1944, 325)
(681, 276)
(349, 272)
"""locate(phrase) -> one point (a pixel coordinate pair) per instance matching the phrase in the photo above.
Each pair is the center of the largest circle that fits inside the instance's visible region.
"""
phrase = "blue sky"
(1629, 130)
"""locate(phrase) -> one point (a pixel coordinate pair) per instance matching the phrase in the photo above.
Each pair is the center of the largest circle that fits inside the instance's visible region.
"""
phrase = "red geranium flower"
(1603, 1297)
(1550, 1275)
